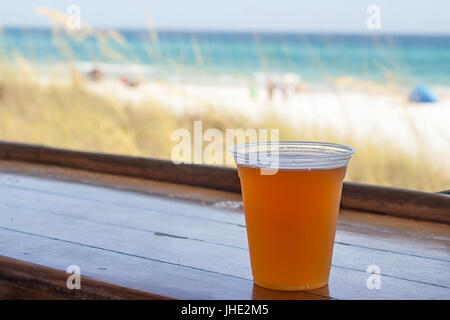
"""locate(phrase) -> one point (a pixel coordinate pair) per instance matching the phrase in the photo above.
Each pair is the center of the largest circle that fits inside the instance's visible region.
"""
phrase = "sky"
(337, 16)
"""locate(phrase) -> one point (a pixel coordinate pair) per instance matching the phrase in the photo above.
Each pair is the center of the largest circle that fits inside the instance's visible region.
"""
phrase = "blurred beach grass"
(72, 117)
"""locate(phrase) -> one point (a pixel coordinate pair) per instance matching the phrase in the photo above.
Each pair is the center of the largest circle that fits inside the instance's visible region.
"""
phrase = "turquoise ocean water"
(409, 60)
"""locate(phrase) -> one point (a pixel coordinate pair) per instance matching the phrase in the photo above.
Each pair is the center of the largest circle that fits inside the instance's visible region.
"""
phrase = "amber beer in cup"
(291, 193)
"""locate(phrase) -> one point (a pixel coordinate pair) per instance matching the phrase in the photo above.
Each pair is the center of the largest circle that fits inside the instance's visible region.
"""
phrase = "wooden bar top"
(144, 239)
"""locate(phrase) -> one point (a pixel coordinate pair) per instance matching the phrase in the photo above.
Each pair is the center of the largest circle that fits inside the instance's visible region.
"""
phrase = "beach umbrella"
(422, 94)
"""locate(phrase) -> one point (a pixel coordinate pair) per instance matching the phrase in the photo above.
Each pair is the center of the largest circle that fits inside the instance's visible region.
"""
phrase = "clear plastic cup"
(291, 193)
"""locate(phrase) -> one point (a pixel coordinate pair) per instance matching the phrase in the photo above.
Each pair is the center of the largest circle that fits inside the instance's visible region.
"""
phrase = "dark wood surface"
(19, 279)
(157, 240)
(386, 200)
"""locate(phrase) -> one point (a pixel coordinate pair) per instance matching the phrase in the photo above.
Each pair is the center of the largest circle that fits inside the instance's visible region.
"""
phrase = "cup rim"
(347, 150)
(292, 154)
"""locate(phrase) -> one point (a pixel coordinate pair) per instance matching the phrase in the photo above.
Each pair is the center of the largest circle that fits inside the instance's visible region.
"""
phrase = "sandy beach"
(419, 128)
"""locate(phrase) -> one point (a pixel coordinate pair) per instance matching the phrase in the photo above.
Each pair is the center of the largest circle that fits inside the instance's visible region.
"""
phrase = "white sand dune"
(380, 117)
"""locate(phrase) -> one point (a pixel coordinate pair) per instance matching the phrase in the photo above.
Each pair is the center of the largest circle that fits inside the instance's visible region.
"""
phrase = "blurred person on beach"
(95, 75)
(130, 81)
(270, 87)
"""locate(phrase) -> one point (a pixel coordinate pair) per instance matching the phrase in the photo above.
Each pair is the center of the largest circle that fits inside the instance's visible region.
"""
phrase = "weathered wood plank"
(91, 216)
(176, 281)
(170, 249)
(118, 182)
(195, 244)
(116, 198)
(53, 194)
(128, 271)
(23, 280)
(393, 201)
(397, 202)
(12, 291)
(157, 169)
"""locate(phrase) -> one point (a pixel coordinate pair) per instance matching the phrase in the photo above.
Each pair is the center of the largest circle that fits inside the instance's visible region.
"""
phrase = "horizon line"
(243, 31)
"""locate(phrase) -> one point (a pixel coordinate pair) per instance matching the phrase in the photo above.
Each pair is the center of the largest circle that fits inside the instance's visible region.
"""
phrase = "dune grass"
(73, 118)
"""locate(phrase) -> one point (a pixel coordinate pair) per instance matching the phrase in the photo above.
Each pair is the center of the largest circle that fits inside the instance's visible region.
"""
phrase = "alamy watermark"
(74, 279)
(212, 146)
(73, 21)
(373, 21)
(374, 279)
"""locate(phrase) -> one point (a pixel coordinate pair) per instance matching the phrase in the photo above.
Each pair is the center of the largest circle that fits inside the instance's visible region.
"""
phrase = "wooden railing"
(371, 198)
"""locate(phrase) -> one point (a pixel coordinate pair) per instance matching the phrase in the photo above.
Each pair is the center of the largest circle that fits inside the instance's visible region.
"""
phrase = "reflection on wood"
(260, 293)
